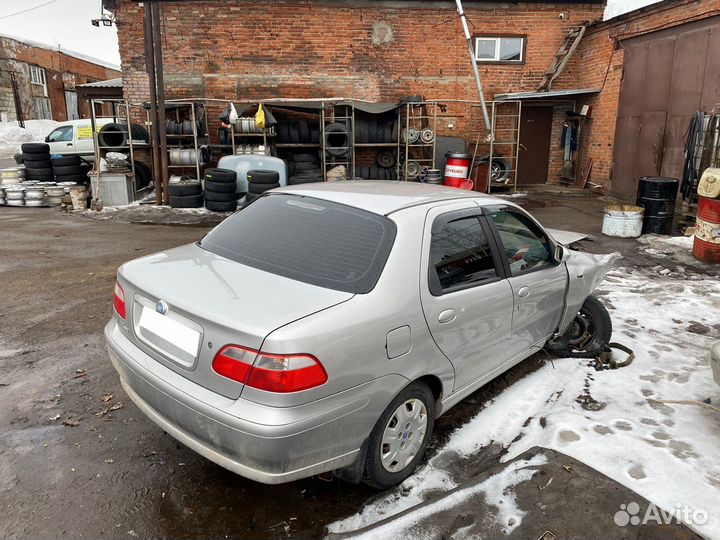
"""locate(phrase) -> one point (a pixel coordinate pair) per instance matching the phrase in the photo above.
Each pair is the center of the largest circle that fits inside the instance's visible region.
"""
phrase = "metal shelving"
(198, 140)
(329, 115)
(415, 115)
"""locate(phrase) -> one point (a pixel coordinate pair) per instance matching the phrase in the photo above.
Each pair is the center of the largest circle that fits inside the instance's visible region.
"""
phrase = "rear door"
(466, 299)
(538, 283)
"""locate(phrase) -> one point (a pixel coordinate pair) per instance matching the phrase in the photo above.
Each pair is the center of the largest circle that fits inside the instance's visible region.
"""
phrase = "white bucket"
(623, 220)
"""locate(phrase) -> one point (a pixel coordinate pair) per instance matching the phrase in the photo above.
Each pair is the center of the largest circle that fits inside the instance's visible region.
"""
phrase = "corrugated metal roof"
(545, 95)
(110, 83)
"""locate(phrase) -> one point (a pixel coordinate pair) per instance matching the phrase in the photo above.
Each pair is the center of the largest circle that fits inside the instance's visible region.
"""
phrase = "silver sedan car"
(325, 327)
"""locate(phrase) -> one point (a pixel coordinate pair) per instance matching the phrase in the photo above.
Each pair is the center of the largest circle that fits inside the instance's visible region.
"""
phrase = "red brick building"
(46, 80)
(383, 50)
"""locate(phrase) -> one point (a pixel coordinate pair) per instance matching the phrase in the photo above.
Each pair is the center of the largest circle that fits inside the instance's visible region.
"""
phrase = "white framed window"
(43, 109)
(505, 49)
(37, 76)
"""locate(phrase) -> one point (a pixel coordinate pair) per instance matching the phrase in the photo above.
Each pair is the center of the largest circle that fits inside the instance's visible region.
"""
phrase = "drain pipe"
(157, 46)
(154, 130)
(471, 49)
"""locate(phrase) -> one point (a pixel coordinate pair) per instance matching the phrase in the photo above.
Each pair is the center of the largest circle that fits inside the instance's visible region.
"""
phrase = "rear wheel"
(588, 334)
(400, 437)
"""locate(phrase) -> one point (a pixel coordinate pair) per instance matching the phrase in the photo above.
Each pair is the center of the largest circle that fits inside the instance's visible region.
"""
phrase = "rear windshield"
(307, 239)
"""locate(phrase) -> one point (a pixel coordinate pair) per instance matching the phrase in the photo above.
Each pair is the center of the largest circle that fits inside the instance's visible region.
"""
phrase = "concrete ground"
(78, 459)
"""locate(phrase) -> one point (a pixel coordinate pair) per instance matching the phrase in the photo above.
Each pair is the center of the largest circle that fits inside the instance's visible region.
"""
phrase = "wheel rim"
(584, 331)
(403, 435)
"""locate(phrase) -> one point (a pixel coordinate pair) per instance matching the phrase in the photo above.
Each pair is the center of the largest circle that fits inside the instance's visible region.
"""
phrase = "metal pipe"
(471, 49)
(154, 128)
(157, 45)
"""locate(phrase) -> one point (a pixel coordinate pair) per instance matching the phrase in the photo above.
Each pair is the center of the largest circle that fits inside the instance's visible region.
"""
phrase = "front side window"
(500, 49)
(61, 134)
(460, 254)
(525, 245)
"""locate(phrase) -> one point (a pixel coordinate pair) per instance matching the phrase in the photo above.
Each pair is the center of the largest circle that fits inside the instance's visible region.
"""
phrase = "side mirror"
(47, 139)
(561, 254)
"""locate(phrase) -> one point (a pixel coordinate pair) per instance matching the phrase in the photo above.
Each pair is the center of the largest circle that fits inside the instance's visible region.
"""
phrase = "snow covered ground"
(609, 420)
(34, 131)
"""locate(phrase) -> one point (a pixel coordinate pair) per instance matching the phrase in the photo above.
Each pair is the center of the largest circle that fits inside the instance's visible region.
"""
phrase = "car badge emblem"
(161, 307)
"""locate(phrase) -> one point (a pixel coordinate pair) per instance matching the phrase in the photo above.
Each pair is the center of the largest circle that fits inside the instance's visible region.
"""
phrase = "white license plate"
(170, 330)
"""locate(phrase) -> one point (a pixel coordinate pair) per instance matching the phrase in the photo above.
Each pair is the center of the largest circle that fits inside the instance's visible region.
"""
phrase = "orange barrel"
(706, 245)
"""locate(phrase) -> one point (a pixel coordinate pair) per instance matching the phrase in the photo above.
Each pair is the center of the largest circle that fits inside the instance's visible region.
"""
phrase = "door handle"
(69, 144)
(524, 292)
(446, 316)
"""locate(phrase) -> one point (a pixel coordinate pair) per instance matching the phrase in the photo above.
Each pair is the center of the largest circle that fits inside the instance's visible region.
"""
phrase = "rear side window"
(460, 254)
(307, 239)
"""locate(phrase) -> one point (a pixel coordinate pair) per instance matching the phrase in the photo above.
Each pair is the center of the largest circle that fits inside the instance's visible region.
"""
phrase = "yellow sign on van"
(85, 132)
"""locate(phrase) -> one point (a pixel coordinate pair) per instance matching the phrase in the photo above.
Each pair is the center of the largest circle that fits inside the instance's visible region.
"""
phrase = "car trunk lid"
(186, 303)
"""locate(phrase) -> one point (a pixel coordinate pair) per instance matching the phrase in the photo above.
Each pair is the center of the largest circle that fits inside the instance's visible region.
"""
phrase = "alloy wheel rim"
(584, 331)
(403, 435)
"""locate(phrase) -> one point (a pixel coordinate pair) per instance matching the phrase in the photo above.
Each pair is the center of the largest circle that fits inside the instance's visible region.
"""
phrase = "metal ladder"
(572, 40)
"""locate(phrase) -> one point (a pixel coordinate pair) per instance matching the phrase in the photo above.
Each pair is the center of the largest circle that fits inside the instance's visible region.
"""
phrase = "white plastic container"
(244, 163)
(623, 220)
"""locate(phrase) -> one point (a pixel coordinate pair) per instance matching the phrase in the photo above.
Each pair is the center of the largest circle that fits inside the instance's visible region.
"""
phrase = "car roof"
(385, 197)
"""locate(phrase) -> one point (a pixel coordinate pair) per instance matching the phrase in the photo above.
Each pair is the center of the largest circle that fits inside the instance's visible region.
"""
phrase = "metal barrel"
(706, 244)
(657, 195)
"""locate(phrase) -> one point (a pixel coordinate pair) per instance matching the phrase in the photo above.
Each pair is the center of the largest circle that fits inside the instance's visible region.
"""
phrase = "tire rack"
(423, 153)
(509, 139)
(265, 134)
(329, 115)
(395, 145)
(176, 107)
(124, 109)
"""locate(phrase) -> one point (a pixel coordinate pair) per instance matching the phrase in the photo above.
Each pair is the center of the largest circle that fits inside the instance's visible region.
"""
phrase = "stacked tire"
(220, 190)
(185, 194)
(68, 169)
(36, 157)
(304, 168)
(259, 182)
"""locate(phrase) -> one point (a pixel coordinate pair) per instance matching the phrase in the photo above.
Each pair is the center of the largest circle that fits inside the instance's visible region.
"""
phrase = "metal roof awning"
(109, 89)
(552, 94)
(110, 83)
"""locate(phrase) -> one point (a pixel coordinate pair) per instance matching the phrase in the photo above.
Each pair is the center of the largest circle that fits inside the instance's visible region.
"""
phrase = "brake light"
(119, 300)
(280, 373)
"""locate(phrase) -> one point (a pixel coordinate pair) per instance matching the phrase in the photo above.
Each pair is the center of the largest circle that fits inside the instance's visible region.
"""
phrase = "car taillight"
(279, 373)
(119, 300)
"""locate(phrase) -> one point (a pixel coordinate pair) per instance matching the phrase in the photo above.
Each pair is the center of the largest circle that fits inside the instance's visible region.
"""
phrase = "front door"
(466, 300)
(534, 153)
(538, 283)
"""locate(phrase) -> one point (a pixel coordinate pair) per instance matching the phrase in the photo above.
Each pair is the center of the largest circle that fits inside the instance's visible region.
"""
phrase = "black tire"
(261, 188)
(32, 158)
(337, 140)
(71, 178)
(220, 187)
(385, 158)
(376, 475)
(35, 148)
(224, 176)
(44, 164)
(387, 132)
(214, 196)
(372, 129)
(361, 130)
(217, 206)
(66, 161)
(263, 177)
(143, 175)
(305, 158)
(185, 189)
(305, 166)
(250, 197)
(41, 171)
(72, 169)
(295, 181)
(112, 135)
(304, 129)
(500, 169)
(588, 334)
(189, 201)
(283, 133)
(294, 132)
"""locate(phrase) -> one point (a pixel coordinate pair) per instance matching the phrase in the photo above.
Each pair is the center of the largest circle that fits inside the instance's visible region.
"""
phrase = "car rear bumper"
(262, 443)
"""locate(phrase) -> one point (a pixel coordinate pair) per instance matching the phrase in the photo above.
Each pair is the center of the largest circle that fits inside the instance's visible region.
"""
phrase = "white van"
(75, 137)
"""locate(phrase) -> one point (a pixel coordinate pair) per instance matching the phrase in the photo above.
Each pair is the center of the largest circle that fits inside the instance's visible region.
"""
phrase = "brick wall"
(598, 63)
(62, 72)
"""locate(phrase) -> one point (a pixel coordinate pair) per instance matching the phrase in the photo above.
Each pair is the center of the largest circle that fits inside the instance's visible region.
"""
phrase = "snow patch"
(34, 131)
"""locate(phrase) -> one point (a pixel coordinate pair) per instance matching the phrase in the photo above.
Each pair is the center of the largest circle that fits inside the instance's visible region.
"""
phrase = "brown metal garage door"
(667, 76)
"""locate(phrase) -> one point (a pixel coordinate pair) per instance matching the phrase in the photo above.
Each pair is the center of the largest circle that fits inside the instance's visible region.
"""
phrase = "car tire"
(40, 164)
(71, 169)
(220, 187)
(40, 171)
(223, 176)
(221, 206)
(185, 189)
(35, 148)
(305, 158)
(304, 129)
(70, 178)
(263, 177)
(261, 188)
(214, 196)
(500, 169)
(337, 140)
(66, 161)
(186, 201)
(386, 474)
(250, 197)
(34, 158)
(305, 165)
(588, 335)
